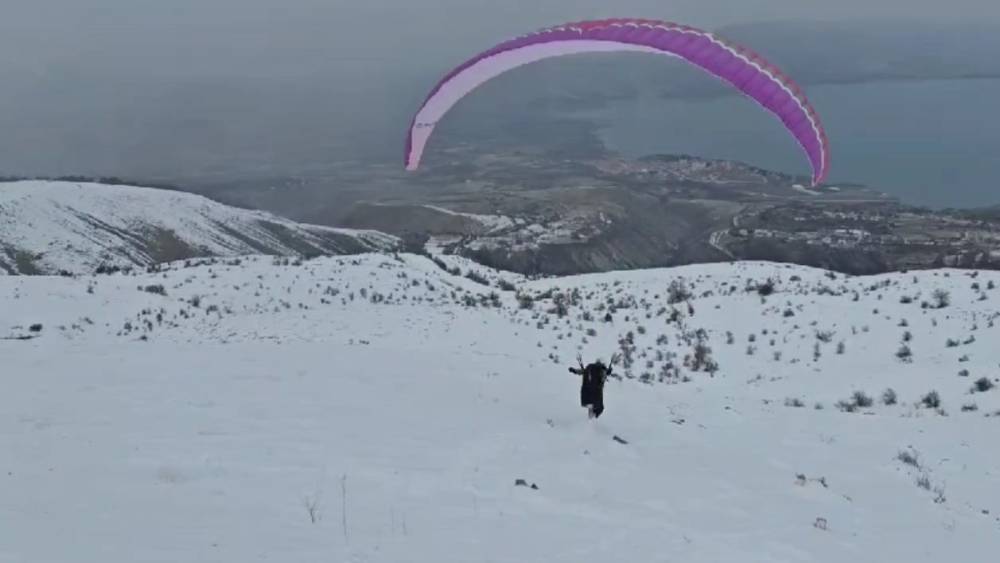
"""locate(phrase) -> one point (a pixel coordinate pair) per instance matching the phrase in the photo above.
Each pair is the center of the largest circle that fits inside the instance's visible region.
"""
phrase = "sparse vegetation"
(477, 277)
(847, 406)
(701, 359)
(862, 400)
(982, 385)
(157, 289)
(858, 400)
(678, 292)
(909, 457)
(889, 397)
(824, 336)
(939, 497)
(941, 298)
(505, 285)
(924, 482)
(904, 353)
(931, 400)
(767, 288)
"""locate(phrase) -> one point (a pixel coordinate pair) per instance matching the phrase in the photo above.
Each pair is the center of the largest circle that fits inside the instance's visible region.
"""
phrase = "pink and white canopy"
(743, 69)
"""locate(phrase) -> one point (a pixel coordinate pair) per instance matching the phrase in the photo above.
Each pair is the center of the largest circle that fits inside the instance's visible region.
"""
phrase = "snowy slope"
(489, 222)
(47, 227)
(378, 409)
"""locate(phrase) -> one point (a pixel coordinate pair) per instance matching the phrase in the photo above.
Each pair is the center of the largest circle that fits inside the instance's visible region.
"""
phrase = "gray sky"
(158, 34)
(172, 86)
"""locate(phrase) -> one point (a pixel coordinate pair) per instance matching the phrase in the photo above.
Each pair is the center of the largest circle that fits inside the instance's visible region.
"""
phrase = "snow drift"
(48, 227)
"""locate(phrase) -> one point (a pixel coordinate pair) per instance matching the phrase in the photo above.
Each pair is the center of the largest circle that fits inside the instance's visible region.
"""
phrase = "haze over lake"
(931, 143)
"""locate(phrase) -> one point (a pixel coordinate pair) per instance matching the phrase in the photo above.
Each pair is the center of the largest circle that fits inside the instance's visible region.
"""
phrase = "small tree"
(824, 336)
(889, 397)
(904, 354)
(862, 400)
(982, 385)
(505, 285)
(702, 358)
(560, 306)
(477, 277)
(678, 292)
(766, 288)
(941, 298)
(155, 289)
(909, 457)
(931, 400)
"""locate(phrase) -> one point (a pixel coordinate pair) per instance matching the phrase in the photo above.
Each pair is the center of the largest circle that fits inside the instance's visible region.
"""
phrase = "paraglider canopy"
(746, 71)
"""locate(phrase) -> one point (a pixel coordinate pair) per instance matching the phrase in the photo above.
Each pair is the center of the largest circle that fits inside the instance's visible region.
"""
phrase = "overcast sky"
(192, 35)
(160, 86)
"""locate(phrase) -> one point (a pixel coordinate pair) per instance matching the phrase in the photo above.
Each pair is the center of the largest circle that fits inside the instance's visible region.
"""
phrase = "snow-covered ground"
(379, 409)
(77, 227)
(490, 222)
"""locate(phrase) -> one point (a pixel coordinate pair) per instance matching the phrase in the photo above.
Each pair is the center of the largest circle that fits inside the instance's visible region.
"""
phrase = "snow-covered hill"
(48, 227)
(380, 409)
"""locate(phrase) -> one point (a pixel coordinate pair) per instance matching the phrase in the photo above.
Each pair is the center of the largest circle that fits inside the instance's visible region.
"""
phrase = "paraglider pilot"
(592, 386)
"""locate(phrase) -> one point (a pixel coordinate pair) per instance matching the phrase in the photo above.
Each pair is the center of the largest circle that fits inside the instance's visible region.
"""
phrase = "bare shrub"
(982, 385)
(678, 292)
(909, 457)
(156, 289)
(924, 482)
(862, 400)
(505, 285)
(941, 298)
(931, 400)
(889, 397)
(904, 353)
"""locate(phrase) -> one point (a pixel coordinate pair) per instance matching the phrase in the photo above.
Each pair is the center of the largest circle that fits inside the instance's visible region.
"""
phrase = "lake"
(933, 143)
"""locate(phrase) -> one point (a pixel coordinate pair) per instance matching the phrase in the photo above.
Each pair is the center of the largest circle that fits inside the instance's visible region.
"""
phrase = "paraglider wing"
(746, 71)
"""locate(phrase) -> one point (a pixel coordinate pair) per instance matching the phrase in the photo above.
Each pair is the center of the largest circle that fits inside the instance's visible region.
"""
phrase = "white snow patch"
(78, 226)
(202, 425)
(491, 222)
